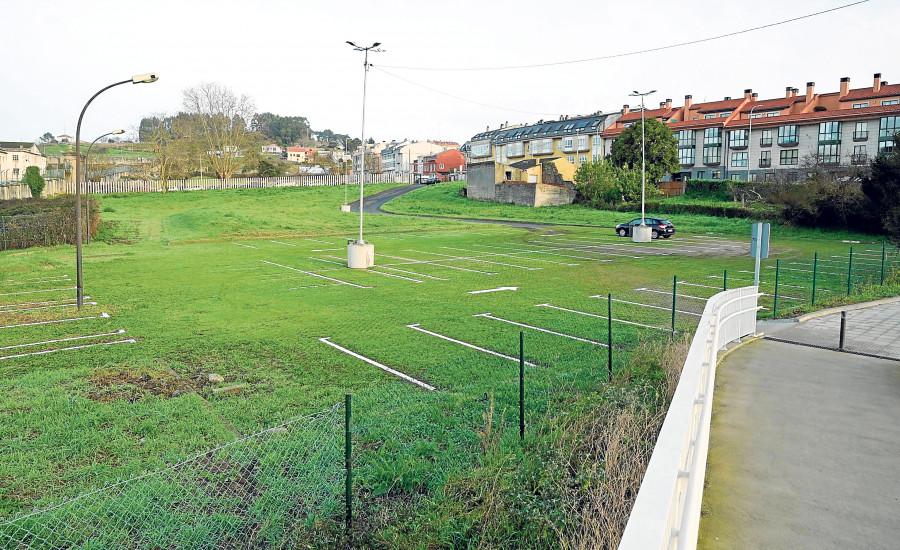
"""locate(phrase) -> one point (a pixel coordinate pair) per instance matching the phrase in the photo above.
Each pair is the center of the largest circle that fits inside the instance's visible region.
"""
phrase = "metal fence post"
(674, 294)
(348, 464)
(850, 272)
(521, 385)
(725, 280)
(815, 270)
(883, 251)
(775, 307)
(843, 328)
(609, 336)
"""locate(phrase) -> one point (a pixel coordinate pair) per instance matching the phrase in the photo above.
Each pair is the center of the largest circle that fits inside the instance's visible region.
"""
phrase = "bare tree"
(220, 126)
(170, 140)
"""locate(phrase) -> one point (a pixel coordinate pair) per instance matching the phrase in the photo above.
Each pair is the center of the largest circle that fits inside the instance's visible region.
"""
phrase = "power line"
(627, 54)
(435, 90)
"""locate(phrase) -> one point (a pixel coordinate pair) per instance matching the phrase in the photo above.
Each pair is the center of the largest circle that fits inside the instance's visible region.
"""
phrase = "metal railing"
(666, 513)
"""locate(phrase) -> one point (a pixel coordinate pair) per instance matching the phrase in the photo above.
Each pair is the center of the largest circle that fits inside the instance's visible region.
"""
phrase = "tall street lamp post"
(361, 255)
(138, 79)
(642, 233)
(87, 164)
(750, 139)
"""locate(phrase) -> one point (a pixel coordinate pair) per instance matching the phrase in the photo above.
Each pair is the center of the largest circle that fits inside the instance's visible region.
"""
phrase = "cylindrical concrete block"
(641, 233)
(345, 208)
(360, 256)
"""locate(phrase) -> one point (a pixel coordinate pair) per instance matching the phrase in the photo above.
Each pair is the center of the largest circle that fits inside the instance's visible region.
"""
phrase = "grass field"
(246, 283)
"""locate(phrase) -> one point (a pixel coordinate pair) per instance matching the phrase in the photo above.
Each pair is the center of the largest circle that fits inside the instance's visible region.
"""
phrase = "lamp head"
(375, 45)
(352, 44)
(144, 78)
(117, 132)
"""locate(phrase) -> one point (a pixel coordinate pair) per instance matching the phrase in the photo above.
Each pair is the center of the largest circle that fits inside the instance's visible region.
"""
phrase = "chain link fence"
(253, 492)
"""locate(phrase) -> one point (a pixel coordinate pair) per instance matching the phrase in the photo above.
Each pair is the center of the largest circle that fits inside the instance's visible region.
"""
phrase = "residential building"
(444, 165)
(373, 153)
(65, 138)
(273, 149)
(399, 157)
(16, 156)
(299, 154)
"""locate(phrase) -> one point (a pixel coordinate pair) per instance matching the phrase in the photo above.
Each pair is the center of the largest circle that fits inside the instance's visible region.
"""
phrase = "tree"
(219, 125)
(170, 140)
(34, 180)
(600, 183)
(661, 152)
(882, 186)
(284, 130)
(47, 137)
(267, 169)
(353, 144)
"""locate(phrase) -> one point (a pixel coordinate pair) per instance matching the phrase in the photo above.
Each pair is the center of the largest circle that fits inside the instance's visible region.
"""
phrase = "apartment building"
(777, 138)
(16, 156)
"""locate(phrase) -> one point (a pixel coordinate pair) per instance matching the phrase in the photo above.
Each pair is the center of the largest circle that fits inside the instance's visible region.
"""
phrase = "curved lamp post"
(87, 165)
(361, 255)
(138, 79)
(641, 234)
(750, 138)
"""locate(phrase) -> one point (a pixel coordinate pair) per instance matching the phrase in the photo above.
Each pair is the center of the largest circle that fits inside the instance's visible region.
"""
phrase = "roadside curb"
(723, 354)
(851, 307)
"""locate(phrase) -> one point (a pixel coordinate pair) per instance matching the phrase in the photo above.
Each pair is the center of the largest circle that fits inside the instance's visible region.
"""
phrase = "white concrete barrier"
(666, 513)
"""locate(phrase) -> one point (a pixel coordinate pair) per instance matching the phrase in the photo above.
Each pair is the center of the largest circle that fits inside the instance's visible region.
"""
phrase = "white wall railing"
(666, 513)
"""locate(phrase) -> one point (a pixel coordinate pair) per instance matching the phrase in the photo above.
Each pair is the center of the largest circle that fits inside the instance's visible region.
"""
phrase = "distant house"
(65, 138)
(272, 149)
(16, 156)
(300, 154)
(444, 165)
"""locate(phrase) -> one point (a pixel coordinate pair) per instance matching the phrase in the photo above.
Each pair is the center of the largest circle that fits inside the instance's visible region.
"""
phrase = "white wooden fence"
(14, 191)
(137, 186)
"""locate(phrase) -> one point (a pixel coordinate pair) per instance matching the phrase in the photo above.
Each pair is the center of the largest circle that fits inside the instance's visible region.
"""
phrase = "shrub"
(600, 183)
(42, 222)
(34, 180)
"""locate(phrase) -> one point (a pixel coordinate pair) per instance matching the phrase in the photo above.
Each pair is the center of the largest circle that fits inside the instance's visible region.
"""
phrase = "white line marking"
(602, 317)
(489, 316)
(67, 300)
(325, 249)
(285, 244)
(695, 284)
(102, 315)
(120, 331)
(494, 289)
(582, 250)
(245, 245)
(318, 241)
(455, 258)
(507, 254)
(54, 280)
(377, 364)
(315, 274)
(460, 342)
(45, 277)
(45, 307)
(414, 273)
(324, 260)
(435, 263)
(314, 286)
(128, 341)
(392, 275)
(644, 289)
(648, 305)
(36, 291)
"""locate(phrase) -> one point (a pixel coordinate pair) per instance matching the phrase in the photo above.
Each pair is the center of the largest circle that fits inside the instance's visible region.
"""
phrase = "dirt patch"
(109, 385)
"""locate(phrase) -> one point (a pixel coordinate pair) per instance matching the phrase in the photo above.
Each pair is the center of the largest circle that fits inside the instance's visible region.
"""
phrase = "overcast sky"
(291, 58)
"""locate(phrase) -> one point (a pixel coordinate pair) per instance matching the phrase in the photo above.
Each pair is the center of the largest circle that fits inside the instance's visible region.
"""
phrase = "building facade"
(15, 157)
(443, 165)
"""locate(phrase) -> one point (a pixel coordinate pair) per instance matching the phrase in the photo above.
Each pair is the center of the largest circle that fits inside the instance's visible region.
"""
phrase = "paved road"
(803, 451)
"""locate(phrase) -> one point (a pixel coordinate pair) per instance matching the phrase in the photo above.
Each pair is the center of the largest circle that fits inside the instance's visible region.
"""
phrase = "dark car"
(429, 179)
(659, 227)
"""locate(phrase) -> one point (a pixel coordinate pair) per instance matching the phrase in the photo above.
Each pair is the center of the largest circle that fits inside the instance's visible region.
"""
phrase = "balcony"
(788, 142)
(859, 159)
(860, 136)
(765, 142)
(738, 145)
(828, 159)
(765, 163)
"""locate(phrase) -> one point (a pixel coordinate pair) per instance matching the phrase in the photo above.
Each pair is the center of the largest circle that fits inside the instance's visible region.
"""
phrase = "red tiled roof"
(725, 105)
(649, 113)
(865, 112)
(886, 90)
(773, 104)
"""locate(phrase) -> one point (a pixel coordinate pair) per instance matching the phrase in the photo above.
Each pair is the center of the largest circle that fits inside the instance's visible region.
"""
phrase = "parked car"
(430, 179)
(659, 227)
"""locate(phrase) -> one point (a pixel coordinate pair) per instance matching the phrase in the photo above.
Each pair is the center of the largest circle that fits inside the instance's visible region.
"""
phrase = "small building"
(16, 156)
(273, 149)
(529, 182)
(300, 154)
(443, 165)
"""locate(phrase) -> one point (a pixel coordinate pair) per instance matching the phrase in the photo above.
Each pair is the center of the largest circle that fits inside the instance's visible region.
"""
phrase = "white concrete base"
(641, 233)
(360, 256)
(345, 208)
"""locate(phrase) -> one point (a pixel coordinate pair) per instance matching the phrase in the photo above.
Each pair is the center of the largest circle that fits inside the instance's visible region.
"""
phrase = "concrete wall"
(532, 194)
(551, 195)
(480, 180)
(15, 191)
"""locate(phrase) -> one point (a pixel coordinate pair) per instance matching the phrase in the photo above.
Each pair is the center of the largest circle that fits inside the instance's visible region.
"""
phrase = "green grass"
(167, 269)
(100, 149)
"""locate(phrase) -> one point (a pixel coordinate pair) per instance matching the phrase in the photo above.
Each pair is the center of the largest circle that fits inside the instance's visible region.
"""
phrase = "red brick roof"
(773, 104)
(887, 90)
(865, 112)
(713, 106)
(649, 113)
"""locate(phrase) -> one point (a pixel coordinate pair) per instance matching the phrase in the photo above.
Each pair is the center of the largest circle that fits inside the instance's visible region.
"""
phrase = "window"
(765, 159)
(595, 142)
(889, 126)
(567, 144)
(735, 177)
(15, 172)
(716, 174)
(709, 116)
(723, 115)
(773, 113)
(740, 159)
(442, 166)
(712, 155)
(516, 149)
(755, 115)
(712, 137)
(15, 158)
(686, 155)
(628, 124)
(859, 155)
(766, 139)
(738, 138)
(481, 151)
(829, 132)
(571, 158)
(701, 174)
(789, 157)
(712, 146)
(582, 143)
(890, 102)
(542, 147)
(793, 177)
(860, 105)
(829, 153)
(769, 176)
(685, 138)
(582, 159)
(861, 131)
(787, 135)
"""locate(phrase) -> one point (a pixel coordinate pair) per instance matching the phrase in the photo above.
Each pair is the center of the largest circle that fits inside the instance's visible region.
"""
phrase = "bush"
(42, 222)
(34, 180)
(705, 209)
(600, 183)
(708, 189)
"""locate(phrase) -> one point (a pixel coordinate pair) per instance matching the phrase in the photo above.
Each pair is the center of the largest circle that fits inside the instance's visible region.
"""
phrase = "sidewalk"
(804, 450)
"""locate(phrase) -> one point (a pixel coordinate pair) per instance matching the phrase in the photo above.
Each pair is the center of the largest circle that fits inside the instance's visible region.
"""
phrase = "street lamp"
(137, 79)
(750, 139)
(642, 233)
(87, 164)
(361, 255)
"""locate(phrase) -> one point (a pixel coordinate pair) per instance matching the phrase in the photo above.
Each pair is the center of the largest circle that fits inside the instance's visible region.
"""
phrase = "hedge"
(42, 222)
(706, 209)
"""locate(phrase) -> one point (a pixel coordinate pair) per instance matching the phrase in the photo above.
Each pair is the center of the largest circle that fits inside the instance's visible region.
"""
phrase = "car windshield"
(665, 222)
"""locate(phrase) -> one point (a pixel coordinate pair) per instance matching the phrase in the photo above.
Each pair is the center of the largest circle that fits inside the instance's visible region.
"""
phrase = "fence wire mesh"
(252, 492)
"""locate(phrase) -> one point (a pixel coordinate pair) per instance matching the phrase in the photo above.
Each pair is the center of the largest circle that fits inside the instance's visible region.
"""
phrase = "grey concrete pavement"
(372, 204)
(803, 451)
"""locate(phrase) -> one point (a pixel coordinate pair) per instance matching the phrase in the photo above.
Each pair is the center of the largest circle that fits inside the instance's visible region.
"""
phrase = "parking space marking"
(315, 275)
(324, 260)
(102, 315)
(647, 305)
(468, 345)
(645, 289)
(120, 331)
(601, 317)
(245, 245)
(63, 279)
(435, 263)
(44, 352)
(285, 244)
(583, 251)
(532, 327)
(472, 259)
(377, 364)
(44, 307)
(67, 300)
(511, 255)
(392, 275)
(548, 252)
(414, 273)
(37, 291)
